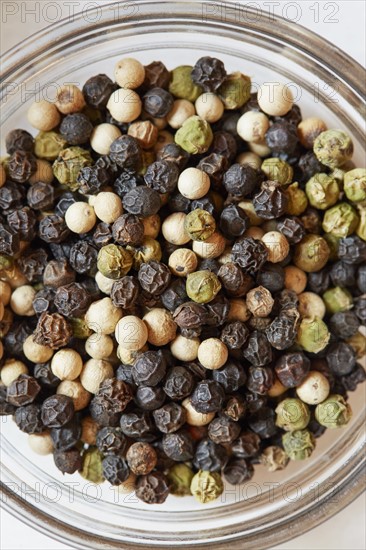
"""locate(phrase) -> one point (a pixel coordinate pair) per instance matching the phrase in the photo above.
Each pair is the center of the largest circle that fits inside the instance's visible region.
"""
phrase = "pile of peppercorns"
(182, 270)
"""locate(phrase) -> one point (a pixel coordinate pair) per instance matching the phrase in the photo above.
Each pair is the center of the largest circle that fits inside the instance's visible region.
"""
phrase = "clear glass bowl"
(271, 508)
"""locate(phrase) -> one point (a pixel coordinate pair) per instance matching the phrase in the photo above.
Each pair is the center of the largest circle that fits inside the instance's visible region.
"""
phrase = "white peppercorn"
(131, 332)
(252, 126)
(108, 206)
(129, 73)
(193, 183)
(128, 356)
(254, 232)
(41, 444)
(36, 352)
(277, 389)
(209, 107)
(185, 349)
(89, 430)
(259, 301)
(311, 305)
(181, 110)
(152, 226)
(182, 262)
(195, 418)
(103, 136)
(102, 316)
(124, 105)
(66, 364)
(161, 328)
(250, 158)
(21, 301)
(43, 115)
(99, 346)
(145, 132)
(212, 353)
(69, 99)
(309, 129)
(12, 369)
(260, 148)
(295, 279)
(211, 248)
(94, 372)
(80, 217)
(127, 486)
(277, 245)
(104, 283)
(314, 388)
(275, 99)
(173, 229)
(74, 389)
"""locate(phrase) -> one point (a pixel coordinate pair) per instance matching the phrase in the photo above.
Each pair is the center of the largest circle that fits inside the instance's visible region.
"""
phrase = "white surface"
(342, 23)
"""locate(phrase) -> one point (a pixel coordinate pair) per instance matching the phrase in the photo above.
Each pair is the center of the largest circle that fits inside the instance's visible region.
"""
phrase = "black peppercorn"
(179, 203)
(91, 179)
(32, 264)
(19, 140)
(115, 469)
(152, 488)
(272, 277)
(250, 254)
(126, 153)
(128, 229)
(292, 228)
(260, 379)
(282, 138)
(319, 281)
(169, 418)
(156, 75)
(72, 300)
(291, 369)
(231, 376)
(178, 446)
(142, 201)
(13, 340)
(258, 350)
(9, 240)
(76, 128)
(149, 368)
(21, 165)
(58, 272)
(162, 176)
(138, 425)
(125, 291)
(343, 274)
(111, 440)
(224, 144)
(238, 470)
(83, 258)
(308, 165)
(102, 235)
(157, 102)
(190, 315)
(263, 423)
(57, 411)
(208, 72)
(240, 180)
(154, 277)
(178, 383)
(351, 380)
(210, 456)
(214, 165)
(234, 335)
(281, 333)
(171, 152)
(223, 430)
(68, 462)
(43, 373)
(103, 412)
(5, 407)
(23, 390)
(28, 419)
(23, 222)
(97, 90)
(234, 280)
(341, 358)
(149, 398)
(233, 221)
(52, 330)
(41, 196)
(352, 250)
(208, 396)
(53, 229)
(11, 196)
(271, 202)
(247, 445)
(67, 436)
(175, 295)
(344, 324)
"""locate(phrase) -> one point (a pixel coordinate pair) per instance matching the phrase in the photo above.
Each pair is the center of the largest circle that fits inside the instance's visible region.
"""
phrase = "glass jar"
(271, 508)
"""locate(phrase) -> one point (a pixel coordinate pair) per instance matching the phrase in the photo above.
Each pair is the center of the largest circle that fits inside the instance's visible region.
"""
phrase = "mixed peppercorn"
(182, 279)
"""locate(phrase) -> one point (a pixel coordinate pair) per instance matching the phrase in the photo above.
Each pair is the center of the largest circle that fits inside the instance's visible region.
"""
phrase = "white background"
(342, 23)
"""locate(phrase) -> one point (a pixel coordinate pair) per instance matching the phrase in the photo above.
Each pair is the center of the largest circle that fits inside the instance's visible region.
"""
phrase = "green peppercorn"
(234, 92)
(80, 329)
(333, 243)
(333, 148)
(355, 184)
(6, 262)
(274, 458)
(313, 334)
(312, 253)
(361, 228)
(297, 200)
(298, 445)
(92, 468)
(48, 145)
(292, 414)
(341, 220)
(195, 135)
(200, 224)
(182, 85)
(148, 250)
(337, 299)
(334, 412)
(206, 486)
(114, 261)
(180, 478)
(322, 191)
(202, 286)
(68, 165)
(277, 169)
